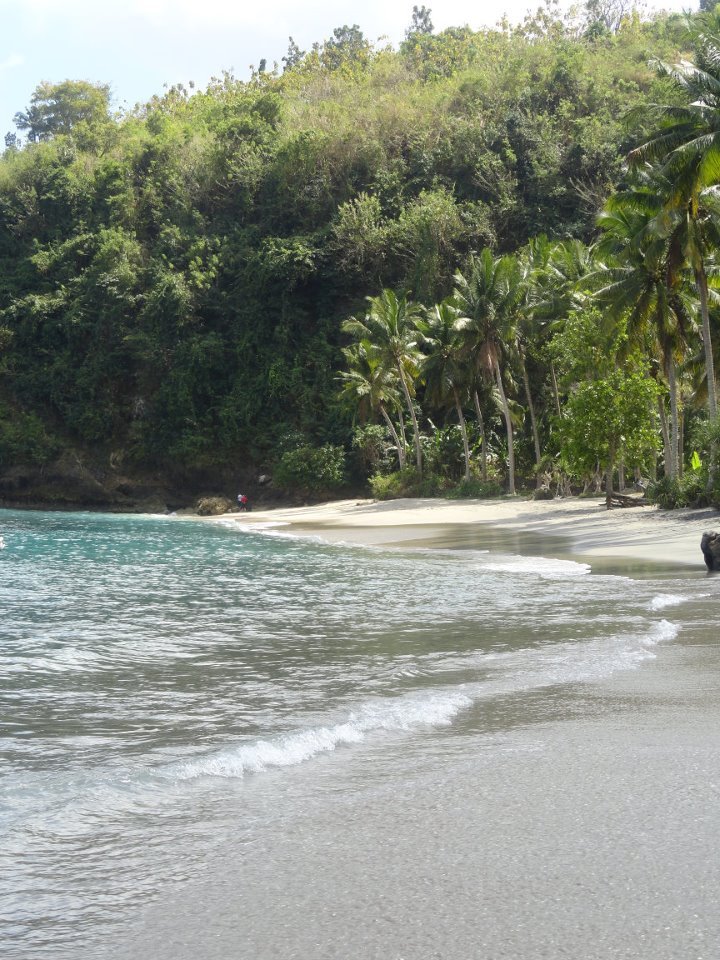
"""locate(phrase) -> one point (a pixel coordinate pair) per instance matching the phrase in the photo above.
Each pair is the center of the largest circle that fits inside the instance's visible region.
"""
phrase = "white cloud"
(14, 60)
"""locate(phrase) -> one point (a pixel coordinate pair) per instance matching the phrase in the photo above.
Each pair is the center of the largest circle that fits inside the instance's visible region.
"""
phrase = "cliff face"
(76, 480)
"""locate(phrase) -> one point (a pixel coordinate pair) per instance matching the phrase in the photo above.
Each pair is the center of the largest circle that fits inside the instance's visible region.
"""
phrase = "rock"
(263, 479)
(710, 546)
(213, 506)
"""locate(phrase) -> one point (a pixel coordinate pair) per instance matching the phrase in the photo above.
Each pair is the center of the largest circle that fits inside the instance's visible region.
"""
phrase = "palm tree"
(643, 285)
(389, 325)
(443, 369)
(686, 143)
(487, 298)
(371, 388)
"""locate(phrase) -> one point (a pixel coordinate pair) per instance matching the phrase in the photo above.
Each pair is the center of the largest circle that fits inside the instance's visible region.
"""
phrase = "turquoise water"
(165, 683)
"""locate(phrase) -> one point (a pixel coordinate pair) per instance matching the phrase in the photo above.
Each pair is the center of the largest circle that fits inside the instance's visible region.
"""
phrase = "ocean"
(220, 742)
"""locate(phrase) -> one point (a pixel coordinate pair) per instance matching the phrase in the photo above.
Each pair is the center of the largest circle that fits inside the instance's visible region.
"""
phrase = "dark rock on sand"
(213, 506)
(710, 546)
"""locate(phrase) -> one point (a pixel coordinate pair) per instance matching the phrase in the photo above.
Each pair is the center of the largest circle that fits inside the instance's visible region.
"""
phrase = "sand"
(579, 527)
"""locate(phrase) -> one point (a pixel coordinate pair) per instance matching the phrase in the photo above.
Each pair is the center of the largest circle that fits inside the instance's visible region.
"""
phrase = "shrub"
(474, 489)
(407, 483)
(23, 439)
(673, 494)
(311, 470)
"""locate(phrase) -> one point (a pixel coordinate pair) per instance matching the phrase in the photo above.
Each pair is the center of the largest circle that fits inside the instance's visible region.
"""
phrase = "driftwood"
(623, 500)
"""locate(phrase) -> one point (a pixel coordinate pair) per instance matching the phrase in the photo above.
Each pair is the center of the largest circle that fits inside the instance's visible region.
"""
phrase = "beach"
(413, 730)
(582, 527)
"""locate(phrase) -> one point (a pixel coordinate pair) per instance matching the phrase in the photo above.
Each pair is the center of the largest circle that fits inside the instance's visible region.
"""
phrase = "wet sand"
(583, 528)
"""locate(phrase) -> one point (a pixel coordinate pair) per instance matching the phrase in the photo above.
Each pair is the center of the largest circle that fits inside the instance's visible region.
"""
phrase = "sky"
(137, 46)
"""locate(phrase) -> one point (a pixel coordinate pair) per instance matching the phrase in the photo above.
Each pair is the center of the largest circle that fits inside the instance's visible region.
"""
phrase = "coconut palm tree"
(443, 369)
(487, 296)
(642, 284)
(370, 388)
(685, 143)
(389, 325)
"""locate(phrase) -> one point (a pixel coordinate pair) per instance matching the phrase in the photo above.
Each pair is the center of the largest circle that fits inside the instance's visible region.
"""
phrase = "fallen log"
(625, 500)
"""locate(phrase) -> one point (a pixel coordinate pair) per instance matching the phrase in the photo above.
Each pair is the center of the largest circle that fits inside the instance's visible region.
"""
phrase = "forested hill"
(173, 280)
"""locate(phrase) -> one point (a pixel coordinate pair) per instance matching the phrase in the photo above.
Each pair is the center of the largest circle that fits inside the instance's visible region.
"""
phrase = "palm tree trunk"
(391, 427)
(403, 435)
(665, 434)
(609, 473)
(674, 420)
(411, 409)
(681, 439)
(508, 427)
(701, 283)
(463, 430)
(533, 420)
(483, 444)
(556, 392)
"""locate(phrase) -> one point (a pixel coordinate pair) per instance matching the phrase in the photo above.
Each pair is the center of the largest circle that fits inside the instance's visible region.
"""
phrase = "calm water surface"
(185, 705)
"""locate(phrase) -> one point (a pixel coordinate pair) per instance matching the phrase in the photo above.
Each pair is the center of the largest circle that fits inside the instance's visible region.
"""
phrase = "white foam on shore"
(518, 672)
(664, 600)
(544, 567)
(404, 714)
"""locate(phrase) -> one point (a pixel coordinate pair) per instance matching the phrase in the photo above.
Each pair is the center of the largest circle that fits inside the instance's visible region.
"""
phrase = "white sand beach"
(579, 526)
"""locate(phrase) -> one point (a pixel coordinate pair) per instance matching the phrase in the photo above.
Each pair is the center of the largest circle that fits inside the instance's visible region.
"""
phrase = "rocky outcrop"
(710, 546)
(213, 506)
(73, 480)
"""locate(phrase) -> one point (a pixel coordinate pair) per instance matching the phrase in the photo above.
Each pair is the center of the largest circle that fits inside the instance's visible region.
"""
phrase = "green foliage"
(408, 483)
(173, 281)
(475, 489)
(374, 446)
(687, 491)
(311, 470)
(24, 439)
(608, 417)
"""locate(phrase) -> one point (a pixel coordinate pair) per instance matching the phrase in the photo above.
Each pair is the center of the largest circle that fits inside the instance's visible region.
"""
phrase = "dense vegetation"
(176, 283)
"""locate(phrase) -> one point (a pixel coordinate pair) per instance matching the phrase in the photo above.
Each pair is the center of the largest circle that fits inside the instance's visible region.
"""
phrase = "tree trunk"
(411, 409)
(399, 446)
(533, 421)
(674, 420)
(556, 392)
(483, 444)
(621, 476)
(609, 473)
(701, 283)
(665, 434)
(681, 441)
(509, 429)
(403, 435)
(463, 430)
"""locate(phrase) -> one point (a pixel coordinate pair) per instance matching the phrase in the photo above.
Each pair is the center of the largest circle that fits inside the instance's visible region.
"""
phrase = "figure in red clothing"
(243, 502)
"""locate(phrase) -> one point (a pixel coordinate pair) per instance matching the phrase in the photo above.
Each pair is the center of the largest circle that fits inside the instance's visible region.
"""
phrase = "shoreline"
(582, 529)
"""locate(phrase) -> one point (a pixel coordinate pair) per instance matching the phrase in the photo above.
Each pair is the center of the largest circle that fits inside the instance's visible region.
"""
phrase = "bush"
(673, 494)
(23, 439)
(407, 483)
(311, 470)
(474, 489)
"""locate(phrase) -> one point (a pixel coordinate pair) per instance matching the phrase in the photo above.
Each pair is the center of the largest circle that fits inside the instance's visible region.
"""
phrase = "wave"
(521, 671)
(544, 567)
(664, 600)
(404, 714)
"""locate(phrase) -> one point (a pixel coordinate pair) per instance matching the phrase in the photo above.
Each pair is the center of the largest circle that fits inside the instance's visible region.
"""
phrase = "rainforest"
(480, 262)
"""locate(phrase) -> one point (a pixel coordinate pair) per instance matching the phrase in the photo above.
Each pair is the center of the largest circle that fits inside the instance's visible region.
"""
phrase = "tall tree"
(390, 326)
(487, 295)
(443, 369)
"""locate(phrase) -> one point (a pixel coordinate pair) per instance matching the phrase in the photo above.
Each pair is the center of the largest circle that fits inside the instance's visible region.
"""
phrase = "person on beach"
(243, 502)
